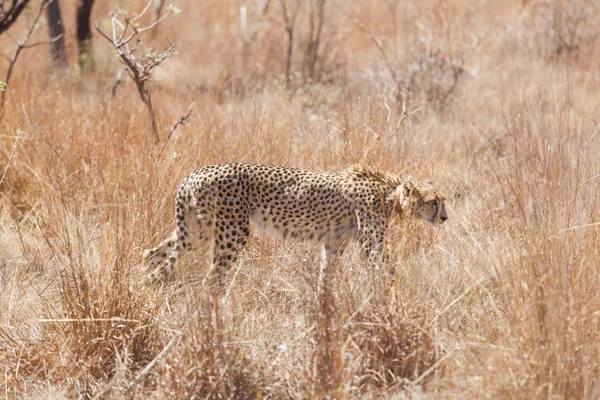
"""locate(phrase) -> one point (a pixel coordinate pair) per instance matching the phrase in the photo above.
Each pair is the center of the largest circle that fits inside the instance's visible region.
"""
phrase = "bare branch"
(14, 39)
(131, 52)
(139, 62)
(289, 23)
(102, 33)
(115, 22)
(21, 44)
(49, 41)
(314, 41)
(143, 12)
(181, 121)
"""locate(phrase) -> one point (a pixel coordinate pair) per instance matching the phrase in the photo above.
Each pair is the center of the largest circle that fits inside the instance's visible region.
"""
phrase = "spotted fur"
(216, 205)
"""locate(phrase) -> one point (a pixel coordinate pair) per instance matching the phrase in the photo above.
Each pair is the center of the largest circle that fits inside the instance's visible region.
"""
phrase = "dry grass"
(500, 302)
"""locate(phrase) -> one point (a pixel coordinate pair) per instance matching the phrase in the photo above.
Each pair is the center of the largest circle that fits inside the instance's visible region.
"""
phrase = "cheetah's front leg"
(371, 239)
(329, 256)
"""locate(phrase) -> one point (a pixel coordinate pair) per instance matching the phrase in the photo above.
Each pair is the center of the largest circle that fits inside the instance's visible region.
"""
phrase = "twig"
(117, 82)
(21, 44)
(19, 361)
(433, 367)
(49, 41)
(140, 15)
(147, 368)
(181, 120)
(12, 154)
(573, 228)
(113, 319)
(71, 262)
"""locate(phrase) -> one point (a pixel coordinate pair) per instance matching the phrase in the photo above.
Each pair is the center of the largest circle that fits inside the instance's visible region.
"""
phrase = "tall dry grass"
(500, 302)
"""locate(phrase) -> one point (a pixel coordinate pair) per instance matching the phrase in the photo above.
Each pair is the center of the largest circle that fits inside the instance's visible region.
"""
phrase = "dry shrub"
(96, 328)
(24, 361)
(204, 364)
(391, 347)
(499, 302)
(545, 295)
(107, 330)
(423, 53)
(435, 55)
(561, 29)
(369, 337)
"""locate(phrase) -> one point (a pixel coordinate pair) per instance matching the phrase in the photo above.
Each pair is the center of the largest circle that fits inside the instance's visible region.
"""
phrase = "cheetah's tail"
(154, 258)
(157, 254)
(179, 237)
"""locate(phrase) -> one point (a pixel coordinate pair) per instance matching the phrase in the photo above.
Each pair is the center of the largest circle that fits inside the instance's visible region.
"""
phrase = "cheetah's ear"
(403, 193)
(407, 189)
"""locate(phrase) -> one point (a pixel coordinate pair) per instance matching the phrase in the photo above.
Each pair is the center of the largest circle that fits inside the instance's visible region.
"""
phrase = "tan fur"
(217, 204)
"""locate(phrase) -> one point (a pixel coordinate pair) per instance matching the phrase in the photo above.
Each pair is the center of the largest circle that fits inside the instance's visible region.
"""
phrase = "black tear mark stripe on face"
(437, 210)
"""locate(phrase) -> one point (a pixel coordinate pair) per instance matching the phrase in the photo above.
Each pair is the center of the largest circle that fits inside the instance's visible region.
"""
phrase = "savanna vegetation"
(495, 101)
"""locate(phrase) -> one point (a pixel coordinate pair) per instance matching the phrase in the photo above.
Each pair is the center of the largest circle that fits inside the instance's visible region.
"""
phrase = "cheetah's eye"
(434, 204)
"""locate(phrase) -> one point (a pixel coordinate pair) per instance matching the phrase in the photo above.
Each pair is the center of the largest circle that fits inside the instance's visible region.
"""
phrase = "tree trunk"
(9, 16)
(84, 35)
(56, 32)
(312, 52)
(289, 54)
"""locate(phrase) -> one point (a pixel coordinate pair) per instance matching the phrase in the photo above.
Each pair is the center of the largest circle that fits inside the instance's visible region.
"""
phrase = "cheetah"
(216, 205)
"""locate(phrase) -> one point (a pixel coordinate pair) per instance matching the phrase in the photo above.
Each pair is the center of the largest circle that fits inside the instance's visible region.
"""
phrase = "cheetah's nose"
(444, 218)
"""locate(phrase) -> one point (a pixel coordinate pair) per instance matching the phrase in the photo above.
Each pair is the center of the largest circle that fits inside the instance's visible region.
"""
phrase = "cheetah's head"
(422, 201)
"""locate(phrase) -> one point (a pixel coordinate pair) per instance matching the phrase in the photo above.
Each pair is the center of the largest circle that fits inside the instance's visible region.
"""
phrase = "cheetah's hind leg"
(155, 258)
